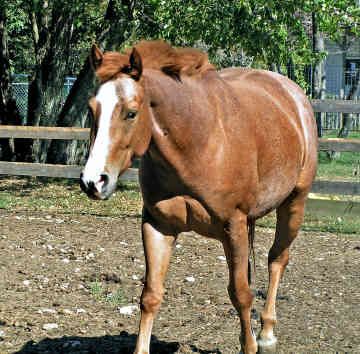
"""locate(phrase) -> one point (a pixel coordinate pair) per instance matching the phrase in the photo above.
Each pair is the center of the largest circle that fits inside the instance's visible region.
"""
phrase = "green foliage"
(336, 17)
(21, 49)
(261, 32)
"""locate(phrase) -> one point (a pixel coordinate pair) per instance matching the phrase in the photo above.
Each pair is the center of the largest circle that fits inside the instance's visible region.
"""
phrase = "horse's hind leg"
(289, 219)
(158, 249)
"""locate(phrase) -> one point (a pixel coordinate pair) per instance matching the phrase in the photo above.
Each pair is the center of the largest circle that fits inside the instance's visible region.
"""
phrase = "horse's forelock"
(112, 64)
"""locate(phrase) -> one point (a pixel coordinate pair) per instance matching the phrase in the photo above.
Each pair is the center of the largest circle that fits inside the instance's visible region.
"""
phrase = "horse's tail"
(251, 237)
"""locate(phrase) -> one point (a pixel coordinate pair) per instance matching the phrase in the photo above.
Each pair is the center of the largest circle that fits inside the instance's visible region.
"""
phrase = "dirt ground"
(64, 281)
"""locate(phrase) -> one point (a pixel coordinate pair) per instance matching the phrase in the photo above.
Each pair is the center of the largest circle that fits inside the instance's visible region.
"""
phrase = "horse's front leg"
(236, 250)
(158, 249)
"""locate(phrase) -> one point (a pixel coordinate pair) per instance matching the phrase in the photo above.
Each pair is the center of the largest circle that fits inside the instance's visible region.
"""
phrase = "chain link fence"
(20, 90)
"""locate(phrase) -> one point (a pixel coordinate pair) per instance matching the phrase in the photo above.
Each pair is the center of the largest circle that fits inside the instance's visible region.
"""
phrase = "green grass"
(99, 293)
(344, 167)
(344, 224)
(96, 290)
(64, 196)
(117, 298)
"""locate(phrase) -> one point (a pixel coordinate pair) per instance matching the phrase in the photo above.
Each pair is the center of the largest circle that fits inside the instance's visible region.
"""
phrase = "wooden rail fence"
(73, 171)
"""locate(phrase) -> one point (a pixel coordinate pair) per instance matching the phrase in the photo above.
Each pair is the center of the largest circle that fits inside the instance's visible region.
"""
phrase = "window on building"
(352, 67)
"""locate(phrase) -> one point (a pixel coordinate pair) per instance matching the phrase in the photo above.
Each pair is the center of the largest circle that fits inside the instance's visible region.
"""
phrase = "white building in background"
(341, 67)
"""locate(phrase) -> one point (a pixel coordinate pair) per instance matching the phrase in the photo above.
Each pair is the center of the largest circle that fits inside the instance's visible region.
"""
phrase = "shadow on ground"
(124, 343)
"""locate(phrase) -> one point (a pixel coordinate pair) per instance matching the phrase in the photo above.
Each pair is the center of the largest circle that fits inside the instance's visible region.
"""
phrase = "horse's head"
(120, 128)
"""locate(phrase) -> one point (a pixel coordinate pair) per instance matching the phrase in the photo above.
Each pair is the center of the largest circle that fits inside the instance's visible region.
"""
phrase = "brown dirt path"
(52, 266)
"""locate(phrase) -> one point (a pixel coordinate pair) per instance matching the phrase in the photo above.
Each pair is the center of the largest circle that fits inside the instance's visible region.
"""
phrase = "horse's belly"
(273, 191)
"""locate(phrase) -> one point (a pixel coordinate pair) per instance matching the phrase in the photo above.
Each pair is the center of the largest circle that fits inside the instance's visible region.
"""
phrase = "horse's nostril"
(94, 189)
(83, 185)
(91, 186)
(104, 178)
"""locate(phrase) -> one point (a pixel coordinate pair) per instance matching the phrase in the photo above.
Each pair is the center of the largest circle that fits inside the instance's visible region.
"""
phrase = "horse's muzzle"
(95, 190)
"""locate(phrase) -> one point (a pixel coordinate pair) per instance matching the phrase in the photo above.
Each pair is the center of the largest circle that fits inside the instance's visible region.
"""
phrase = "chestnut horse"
(218, 150)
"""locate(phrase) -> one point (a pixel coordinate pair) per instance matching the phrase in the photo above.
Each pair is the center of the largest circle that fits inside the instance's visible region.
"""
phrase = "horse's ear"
(135, 69)
(96, 57)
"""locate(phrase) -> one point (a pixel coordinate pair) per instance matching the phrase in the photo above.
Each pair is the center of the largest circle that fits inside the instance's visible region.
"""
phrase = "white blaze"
(128, 87)
(96, 163)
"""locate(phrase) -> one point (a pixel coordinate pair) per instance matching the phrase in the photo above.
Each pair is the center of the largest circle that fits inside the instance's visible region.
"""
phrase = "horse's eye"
(131, 115)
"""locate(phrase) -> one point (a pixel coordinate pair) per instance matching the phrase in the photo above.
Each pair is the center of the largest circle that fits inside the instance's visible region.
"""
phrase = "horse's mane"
(157, 55)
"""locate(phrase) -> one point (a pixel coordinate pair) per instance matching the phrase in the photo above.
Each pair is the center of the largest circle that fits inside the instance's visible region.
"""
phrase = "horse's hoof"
(267, 346)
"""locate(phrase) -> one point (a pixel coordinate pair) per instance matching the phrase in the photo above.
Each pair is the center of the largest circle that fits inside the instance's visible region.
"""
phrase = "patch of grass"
(344, 166)
(99, 293)
(117, 298)
(65, 196)
(344, 224)
(4, 201)
(96, 290)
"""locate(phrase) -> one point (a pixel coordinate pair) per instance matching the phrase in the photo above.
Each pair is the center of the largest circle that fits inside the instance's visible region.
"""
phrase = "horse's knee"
(151, 300)
(242, 298)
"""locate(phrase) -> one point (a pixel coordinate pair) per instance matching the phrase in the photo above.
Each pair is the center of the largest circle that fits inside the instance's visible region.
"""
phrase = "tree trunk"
(9, 113)
(118, 20)
(74, 114)
(52, 44)
(318, 77)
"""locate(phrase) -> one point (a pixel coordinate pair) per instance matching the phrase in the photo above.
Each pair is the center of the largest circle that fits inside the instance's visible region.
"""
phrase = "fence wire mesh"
(20, 90)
